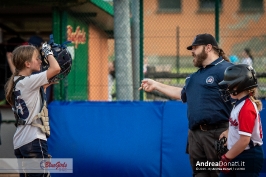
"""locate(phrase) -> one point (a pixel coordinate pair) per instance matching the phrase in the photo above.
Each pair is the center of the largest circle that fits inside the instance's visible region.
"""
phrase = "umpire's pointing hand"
(147, 85)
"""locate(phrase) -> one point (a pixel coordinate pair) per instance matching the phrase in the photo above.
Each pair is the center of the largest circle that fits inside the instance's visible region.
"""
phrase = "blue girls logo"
(42, 164)
(209, 80)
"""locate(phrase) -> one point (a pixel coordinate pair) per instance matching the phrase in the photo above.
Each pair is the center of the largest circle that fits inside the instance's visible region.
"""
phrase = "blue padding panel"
(175, 161)
(107, 138)
(117, 139)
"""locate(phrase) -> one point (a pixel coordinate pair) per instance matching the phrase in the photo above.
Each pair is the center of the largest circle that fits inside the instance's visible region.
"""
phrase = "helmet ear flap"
(235, 87)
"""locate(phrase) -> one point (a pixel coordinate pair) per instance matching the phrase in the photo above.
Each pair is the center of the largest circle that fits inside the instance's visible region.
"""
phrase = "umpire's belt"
(206, 127)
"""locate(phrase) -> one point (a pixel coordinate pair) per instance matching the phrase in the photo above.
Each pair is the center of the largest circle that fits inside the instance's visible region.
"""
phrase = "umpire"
(207, 113)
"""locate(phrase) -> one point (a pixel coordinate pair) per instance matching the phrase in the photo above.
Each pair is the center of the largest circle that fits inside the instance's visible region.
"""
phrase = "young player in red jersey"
(244, 135)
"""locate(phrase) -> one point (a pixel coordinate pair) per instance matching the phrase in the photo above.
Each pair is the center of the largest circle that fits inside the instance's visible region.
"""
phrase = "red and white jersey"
(244, 120)
(29, 101)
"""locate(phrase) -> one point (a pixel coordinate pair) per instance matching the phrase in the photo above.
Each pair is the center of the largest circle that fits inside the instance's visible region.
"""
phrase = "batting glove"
(46, 49)
(224, 164)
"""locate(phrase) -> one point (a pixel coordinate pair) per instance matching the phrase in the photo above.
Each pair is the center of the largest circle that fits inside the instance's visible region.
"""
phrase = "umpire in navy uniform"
(207, 113)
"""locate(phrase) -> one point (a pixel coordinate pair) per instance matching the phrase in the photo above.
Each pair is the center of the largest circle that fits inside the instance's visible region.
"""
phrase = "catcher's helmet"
(238, 78)
(63, 58)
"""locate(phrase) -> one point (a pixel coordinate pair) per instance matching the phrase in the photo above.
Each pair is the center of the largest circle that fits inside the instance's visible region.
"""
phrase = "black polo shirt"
(201, 93)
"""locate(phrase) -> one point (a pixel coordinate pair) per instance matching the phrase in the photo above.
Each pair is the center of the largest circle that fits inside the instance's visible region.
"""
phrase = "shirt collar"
(242, 99)
(217, 61)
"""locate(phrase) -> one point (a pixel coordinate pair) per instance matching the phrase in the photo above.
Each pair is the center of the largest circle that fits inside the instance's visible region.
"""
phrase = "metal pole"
(141, 38)
(135, 47)
(57, 28)
(177, 50)
(217, 18)
(123, 63)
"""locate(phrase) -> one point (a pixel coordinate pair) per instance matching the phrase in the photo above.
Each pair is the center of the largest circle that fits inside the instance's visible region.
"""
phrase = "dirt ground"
(9, 175)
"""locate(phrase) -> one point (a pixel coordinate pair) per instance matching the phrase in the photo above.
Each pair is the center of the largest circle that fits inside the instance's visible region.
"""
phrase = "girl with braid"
(244, 135)
(23, 93)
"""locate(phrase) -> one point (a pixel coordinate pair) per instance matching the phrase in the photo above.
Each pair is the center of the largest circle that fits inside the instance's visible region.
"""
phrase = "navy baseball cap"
(203, 39)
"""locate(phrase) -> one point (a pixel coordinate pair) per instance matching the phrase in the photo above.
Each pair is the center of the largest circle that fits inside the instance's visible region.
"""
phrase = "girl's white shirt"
(29, 88)
(242, 117)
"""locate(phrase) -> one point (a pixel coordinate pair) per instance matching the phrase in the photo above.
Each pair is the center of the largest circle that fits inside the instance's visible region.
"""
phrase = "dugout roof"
(29, 17)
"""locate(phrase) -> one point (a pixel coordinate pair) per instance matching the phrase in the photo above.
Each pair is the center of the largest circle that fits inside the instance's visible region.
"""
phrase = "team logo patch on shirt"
(209, 80)
(233, 122)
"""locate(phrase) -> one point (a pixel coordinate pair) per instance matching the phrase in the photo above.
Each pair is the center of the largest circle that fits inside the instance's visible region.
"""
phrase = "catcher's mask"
(238, 78)
(63, 58)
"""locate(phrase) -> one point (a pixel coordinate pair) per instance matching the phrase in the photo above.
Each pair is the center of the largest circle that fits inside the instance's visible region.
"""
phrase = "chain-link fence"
(154, 33)
(171, 25)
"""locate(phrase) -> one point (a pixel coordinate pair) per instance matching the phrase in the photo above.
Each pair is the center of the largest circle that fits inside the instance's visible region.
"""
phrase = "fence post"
(217, 18)
(123, 64)
(141, 44)
(135, 48)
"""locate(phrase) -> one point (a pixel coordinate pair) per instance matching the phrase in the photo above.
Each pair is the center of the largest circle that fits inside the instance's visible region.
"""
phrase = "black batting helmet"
(238, 78)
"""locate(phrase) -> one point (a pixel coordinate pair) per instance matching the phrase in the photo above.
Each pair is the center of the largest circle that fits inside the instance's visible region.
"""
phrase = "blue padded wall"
(175, 161)
(107, 138)
(117, 139)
